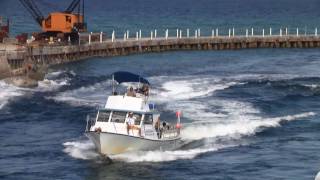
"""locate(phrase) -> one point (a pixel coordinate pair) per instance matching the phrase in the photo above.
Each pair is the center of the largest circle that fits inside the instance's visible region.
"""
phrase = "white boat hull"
(111, 143)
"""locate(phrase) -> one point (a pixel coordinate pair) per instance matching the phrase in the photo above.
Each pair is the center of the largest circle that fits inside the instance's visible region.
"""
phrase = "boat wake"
(51, 82)
(211, 119)
(54, 80)
(93, 95)
(237, 129)
(84, 149)
(182, 89)
(81, 149)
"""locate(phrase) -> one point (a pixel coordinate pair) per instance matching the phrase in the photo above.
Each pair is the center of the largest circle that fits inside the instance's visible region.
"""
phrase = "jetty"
(18, 60)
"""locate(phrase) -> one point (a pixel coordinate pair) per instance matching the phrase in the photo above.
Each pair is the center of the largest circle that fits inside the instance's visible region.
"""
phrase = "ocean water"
(247, 114)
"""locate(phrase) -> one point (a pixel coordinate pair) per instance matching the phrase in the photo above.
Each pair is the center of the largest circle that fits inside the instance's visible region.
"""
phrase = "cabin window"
(48, 22)
(137, 118)
(148, 119)
(118, 117)
(68, 19)
(103, 116)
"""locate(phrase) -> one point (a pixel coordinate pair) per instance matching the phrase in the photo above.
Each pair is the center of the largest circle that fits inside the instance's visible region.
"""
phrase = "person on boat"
(131, 92)
(163, 128)
(157, 127)
(146, 91)
(130, 121)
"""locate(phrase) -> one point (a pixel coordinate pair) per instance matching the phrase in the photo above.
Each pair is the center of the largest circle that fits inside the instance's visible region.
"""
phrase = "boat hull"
(111, 143)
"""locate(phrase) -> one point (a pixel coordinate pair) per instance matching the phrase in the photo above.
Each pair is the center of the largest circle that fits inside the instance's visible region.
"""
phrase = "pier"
(18, 58)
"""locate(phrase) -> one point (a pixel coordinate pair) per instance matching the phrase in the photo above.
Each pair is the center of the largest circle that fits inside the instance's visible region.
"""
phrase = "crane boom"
(72, 6)
(33, 10)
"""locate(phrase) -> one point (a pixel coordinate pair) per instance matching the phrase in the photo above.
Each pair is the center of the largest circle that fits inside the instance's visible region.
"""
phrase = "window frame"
(120, 121)
(144, 119)
(103, 111)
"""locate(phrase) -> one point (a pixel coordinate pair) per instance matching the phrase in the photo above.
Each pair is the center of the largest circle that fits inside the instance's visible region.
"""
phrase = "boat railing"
(115, 128)
(171, 132)
(90, 122)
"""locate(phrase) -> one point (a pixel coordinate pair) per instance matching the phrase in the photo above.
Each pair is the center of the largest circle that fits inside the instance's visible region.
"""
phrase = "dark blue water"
(248, 114)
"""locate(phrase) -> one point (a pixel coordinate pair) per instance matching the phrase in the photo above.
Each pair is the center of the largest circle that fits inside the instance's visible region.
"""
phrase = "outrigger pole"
(112, 84)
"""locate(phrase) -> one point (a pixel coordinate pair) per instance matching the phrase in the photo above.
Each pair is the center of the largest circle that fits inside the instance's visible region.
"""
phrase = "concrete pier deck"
(20, 59)
(63, 54)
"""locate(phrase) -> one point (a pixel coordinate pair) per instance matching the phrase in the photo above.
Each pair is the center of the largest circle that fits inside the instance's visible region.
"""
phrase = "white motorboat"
(128, 122)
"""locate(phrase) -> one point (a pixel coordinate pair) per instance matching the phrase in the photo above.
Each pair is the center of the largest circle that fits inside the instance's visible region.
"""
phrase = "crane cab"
(64, 23)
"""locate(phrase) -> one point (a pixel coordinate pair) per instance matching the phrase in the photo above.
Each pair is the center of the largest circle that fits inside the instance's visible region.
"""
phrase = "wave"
(182, 89)
(94, 95)
(162, 156)
(317, 177)
(82, 149)
(97, 93)
(50, 85)
(237, 129)
(54, 80)
(8, 92)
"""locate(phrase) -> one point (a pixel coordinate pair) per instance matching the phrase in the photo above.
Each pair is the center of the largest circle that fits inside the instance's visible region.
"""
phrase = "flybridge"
(127, 103)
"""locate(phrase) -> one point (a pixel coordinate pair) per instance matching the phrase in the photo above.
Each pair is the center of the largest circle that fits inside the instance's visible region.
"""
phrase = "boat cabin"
(131, 114)
(116, 121)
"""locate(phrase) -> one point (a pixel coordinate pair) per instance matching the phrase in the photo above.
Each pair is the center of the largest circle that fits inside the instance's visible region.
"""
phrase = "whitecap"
(8, 92)
(236, 129)
(81, 149)
(93, 95)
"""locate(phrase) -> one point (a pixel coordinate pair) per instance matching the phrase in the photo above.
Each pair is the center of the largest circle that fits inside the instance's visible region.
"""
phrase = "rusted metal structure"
(64, 24)
(4, 28)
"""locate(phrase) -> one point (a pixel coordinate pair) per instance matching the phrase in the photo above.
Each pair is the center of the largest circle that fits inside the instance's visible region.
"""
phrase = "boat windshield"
(148, 119)
(103, 116)
(118, 117)
(137, 118)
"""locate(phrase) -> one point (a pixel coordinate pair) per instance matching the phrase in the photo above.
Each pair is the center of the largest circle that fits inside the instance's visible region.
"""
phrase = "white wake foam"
(317, 177)
(50, 85)
(82, 149)
(51, 82)
(94, 95)
(162, 156)
(236, 129)
(181, 89)
(8, 92)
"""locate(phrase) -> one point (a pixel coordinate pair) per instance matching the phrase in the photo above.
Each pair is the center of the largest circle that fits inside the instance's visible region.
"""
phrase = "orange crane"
(67, 22)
